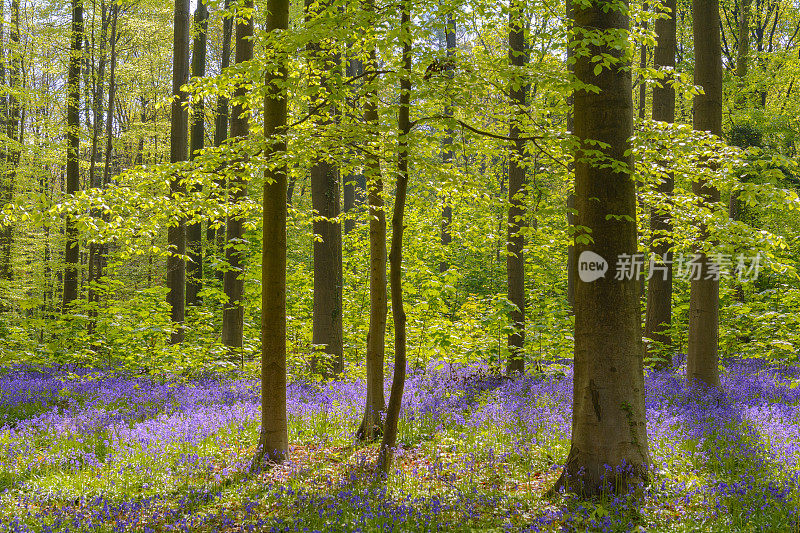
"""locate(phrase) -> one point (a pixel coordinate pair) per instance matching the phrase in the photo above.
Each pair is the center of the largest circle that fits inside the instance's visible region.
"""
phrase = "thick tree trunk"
(515, 262)
(372, 423)
(215, 237)
(194, 231)
(702, 357)
(233, 312)
(327, 336)
(608, 417)
(179, 133)
(386, 452)
(273, 442)
(445, 235)
(73, 151)
(659, 294)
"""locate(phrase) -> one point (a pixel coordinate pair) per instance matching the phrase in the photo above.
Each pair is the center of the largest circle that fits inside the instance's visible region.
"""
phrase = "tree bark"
(702, 357)
(233, 284)
(608, 418)
(13, 133)
(73, 150)
(194, 231)
(353, 192)
(273, 443)
(659, 294)
(327, 335)
(386, 452)
(215, 237)
(445, 235)
(372, 422)
(95, 178)
(179, 133)
(515, 262)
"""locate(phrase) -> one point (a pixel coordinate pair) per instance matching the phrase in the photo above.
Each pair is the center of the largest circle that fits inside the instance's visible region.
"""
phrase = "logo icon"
(591, 266)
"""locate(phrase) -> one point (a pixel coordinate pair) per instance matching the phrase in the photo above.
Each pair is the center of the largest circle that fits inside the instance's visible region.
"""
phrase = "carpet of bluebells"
(88, 450)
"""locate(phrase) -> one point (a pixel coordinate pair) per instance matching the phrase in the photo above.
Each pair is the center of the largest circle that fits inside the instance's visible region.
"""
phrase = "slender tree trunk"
(386, 452)
(659, 294)
(742, 53)
(372, 422)
(643, 65)
(273, 442)
(179, 133)
(515, 262)
(702, 357)
(215, 237)
(351, 182)
(95, 178)
(100, 250)
(608, 418)
(73, 151)
(194, 231)
(14, 135)
(233, 312)
(5, 245)
(327, 335)
(445, 236)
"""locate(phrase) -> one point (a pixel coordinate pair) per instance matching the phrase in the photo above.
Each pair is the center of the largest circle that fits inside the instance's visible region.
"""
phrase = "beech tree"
(179, 145)
(73, 150)
(445, 235)
(385, 454)
(609, 436)
(215, 232)
(372, 424)
(194, 231)
(701, 356)
(233, 312)
(658, 316)
(273, 441)
(515, 261)
(325, 200)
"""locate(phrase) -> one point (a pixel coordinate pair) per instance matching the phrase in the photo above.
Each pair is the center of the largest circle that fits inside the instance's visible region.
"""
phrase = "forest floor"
(88, 450)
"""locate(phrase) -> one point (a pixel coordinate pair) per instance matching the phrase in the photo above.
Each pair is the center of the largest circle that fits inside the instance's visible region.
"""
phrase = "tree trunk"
(100, 250)
(95, 179)
(194, 231)
(445, 235)
(659, 294)
(233, 312)
(5, 246)
(73, 151)
(702, 357)
(179, 133)
(372, 423)
(608, 417)
(13, 133)
(327, 336)
(515, 262)
(215, 237)
(742, 53)
(386, 452)
(351, 182)
(273, 442)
